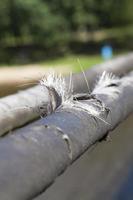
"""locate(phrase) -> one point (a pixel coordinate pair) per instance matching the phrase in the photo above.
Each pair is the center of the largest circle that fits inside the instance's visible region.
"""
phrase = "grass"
(71, 61)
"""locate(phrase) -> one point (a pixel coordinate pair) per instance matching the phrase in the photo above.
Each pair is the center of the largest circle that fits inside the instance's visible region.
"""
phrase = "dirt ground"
(13, 79)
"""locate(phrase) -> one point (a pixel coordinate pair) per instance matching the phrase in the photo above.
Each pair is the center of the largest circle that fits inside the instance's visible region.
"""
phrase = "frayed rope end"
(57, 82)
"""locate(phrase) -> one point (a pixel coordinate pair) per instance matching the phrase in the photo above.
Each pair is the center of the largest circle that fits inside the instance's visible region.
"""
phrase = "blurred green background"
(39, 30)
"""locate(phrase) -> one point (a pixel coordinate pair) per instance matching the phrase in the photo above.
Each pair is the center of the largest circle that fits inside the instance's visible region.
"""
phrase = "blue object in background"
(106, 52)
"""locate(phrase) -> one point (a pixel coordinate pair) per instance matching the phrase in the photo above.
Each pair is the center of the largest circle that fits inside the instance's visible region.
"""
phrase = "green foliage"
(32, 19)
(49, 23)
